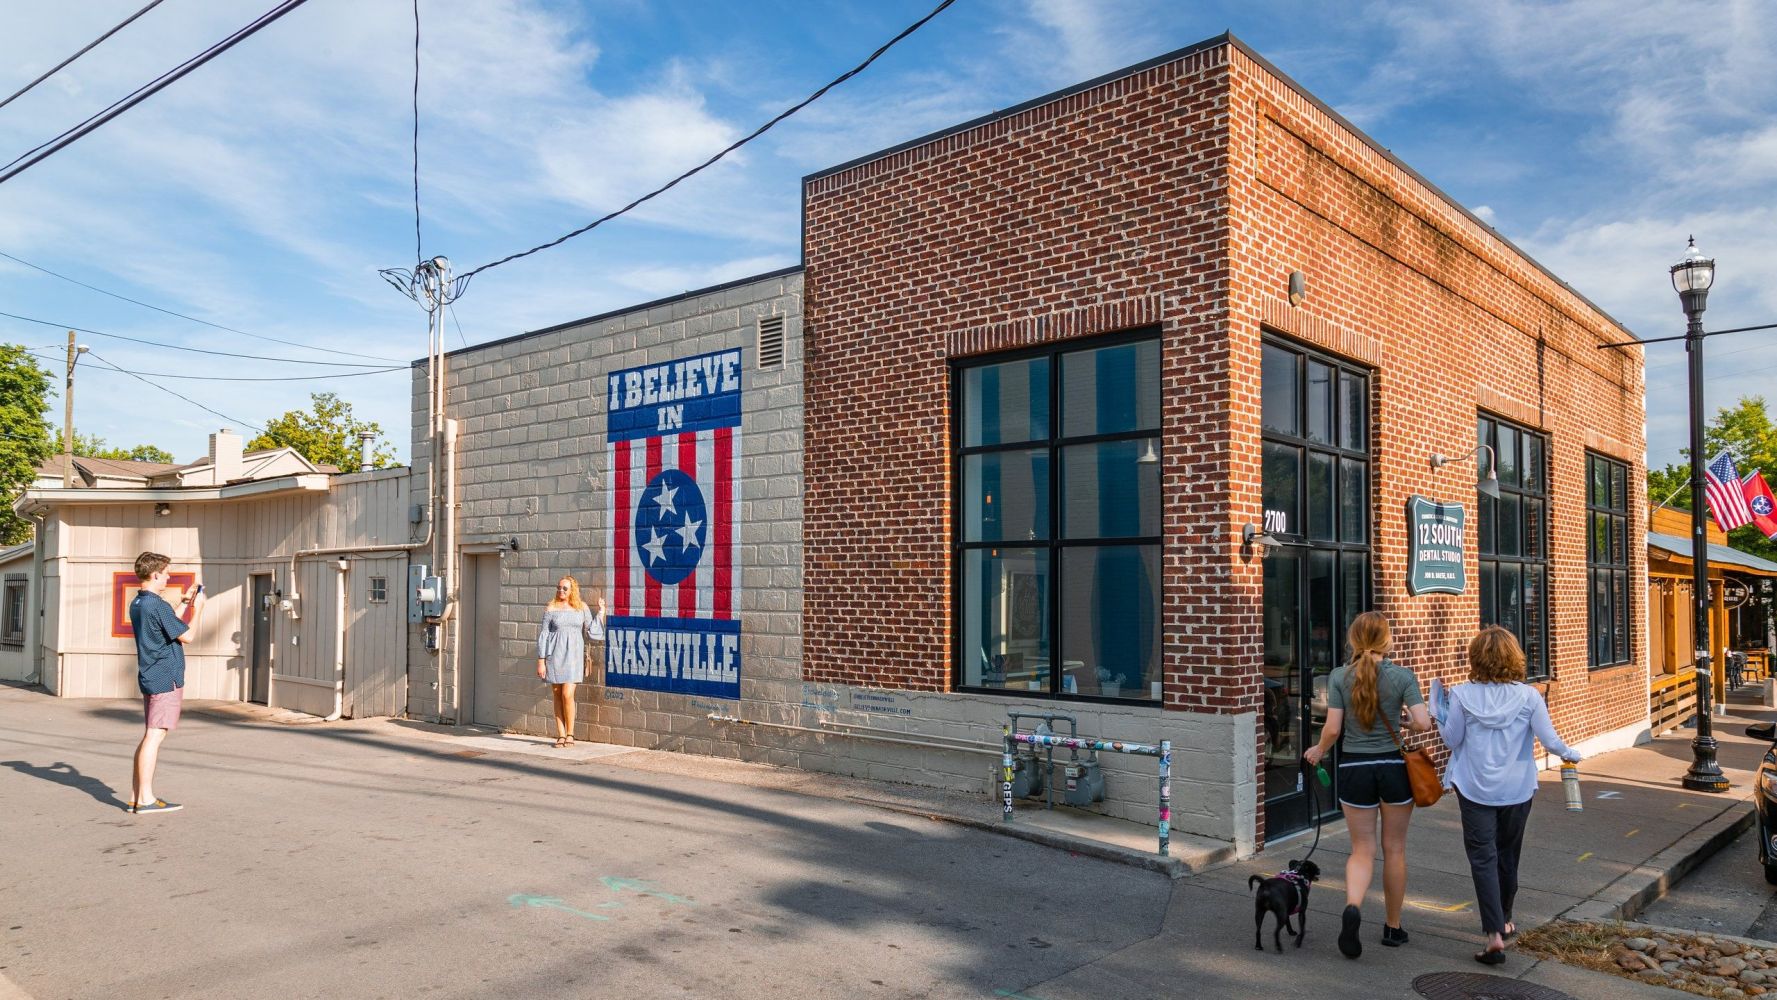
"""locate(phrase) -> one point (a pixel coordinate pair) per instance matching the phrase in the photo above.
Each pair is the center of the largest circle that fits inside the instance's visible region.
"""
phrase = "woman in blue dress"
(561, 650)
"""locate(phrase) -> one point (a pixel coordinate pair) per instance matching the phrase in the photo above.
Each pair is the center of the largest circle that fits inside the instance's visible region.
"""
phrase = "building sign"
(1435, 547)
(673, 440)
(1735, 593)
(123, 591)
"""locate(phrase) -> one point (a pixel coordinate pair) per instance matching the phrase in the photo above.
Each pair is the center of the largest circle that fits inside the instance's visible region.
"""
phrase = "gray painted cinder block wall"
(532, 466)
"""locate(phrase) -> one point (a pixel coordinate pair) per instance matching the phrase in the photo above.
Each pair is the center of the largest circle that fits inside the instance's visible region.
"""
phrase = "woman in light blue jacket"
(1488, 727)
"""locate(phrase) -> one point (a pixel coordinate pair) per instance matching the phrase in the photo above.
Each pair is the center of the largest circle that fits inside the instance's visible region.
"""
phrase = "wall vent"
(771, 341)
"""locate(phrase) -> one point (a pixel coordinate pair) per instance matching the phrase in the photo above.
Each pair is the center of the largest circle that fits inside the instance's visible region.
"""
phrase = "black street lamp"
(1691, 277)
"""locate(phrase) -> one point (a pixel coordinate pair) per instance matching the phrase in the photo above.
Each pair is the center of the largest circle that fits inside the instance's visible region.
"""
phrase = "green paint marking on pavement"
(520, 900)
(1013, 996)
(636, 885)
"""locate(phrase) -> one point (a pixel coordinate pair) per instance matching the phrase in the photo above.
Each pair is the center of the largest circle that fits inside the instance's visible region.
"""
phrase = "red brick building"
(1061, 357)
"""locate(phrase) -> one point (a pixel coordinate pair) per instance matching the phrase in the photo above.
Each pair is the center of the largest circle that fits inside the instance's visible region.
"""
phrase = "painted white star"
(665, 499)
(688, 534)
(656, 546)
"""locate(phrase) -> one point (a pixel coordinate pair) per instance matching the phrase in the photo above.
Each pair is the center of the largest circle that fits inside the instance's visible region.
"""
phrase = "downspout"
(339, 642)
(452, 585)
(38, 612)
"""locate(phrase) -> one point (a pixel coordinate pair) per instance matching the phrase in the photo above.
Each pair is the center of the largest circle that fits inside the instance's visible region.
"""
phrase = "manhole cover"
(469, 753)
(1477, 986)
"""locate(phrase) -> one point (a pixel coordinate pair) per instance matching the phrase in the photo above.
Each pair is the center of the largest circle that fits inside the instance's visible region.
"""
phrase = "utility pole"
(74, 354)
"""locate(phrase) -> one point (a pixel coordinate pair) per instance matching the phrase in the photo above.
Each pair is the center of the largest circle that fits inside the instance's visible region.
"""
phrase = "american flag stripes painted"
(1726, 500)
(673, 444)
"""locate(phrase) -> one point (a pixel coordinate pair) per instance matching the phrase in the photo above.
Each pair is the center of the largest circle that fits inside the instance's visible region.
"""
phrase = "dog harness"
(1298, 883)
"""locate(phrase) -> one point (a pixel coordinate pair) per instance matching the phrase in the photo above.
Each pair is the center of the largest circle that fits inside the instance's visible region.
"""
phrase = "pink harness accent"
(1300, 884)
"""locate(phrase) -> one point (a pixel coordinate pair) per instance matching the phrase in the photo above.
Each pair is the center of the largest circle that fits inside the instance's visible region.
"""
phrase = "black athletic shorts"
(1367, 780)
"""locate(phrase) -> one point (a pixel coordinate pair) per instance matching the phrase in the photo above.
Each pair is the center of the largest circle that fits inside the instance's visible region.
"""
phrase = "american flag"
(1726, 501)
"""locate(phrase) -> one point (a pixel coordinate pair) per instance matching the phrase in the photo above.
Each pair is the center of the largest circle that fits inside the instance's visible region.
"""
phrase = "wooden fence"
(1671, 700)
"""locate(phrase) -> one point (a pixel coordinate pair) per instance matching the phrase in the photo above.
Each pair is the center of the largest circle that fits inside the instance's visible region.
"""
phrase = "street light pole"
(1691, 278)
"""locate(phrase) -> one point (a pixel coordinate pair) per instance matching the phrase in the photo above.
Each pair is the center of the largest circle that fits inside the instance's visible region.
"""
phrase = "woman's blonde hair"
(1368, 639)
(1494, 657)
(573, 599)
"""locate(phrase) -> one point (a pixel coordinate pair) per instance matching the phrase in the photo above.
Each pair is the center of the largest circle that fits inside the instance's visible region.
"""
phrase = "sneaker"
(1393, 937)
(1349, 945)
(157, 806)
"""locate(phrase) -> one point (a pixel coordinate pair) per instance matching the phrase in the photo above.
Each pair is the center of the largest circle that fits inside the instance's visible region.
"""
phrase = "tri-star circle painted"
(670, 521)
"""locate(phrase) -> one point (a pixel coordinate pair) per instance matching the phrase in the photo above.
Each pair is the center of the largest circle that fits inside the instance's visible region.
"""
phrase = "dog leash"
(1309, 780)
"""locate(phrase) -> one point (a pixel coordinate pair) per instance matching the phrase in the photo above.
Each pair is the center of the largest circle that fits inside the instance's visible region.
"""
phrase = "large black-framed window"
(1607, 561)
(1057, 519)
(1513, 539)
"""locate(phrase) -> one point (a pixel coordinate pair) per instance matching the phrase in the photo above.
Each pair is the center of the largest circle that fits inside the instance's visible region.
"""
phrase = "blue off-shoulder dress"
(561, 642)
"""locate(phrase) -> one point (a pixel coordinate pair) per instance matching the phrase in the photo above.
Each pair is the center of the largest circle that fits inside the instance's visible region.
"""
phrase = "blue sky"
(263, 191)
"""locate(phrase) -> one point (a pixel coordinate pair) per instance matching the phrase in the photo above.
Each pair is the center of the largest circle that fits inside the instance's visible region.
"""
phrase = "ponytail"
(1368, 638)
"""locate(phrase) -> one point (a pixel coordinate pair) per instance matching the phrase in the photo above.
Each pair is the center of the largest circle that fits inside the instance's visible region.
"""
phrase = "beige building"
(305, 572)
(17, 618)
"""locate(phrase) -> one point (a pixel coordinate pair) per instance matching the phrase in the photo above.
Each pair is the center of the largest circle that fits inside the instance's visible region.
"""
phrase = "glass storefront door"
(1317, 502)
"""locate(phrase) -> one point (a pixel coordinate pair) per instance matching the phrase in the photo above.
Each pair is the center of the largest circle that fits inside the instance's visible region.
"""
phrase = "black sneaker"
(1349, 945)
(157, 806)
(1393, 937)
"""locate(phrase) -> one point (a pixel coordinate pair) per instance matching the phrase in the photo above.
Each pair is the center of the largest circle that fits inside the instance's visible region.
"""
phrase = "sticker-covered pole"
(1006, 772)
(1165, 797)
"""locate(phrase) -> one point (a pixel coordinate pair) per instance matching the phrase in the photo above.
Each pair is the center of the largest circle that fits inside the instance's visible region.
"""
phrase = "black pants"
(1493, 837)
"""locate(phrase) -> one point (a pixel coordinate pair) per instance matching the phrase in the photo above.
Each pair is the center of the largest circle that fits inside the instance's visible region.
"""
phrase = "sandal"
(1491, 957)
(560, 742)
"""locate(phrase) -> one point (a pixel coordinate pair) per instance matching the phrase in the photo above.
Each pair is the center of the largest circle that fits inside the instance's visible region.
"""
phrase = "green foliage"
(93, 446)
(24, 442)
(325, 434)
(1745, 429)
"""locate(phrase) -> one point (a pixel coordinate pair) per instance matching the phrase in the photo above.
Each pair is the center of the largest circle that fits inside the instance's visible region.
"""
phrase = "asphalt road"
(1726, 894)
(358, 860)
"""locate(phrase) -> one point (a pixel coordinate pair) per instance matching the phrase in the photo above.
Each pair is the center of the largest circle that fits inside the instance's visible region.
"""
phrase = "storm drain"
(1477, 986)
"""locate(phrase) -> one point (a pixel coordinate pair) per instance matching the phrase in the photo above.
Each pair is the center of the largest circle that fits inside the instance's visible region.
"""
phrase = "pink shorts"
(162, 710)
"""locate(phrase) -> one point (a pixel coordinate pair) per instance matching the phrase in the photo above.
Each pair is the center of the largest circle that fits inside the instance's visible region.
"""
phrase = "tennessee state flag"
(1761, 502)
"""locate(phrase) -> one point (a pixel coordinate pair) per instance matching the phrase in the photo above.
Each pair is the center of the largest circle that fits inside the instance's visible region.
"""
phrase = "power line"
(188, 399)
(245, 378)
(58, 67)
(194, 319)
(458, 322)
(49, 148)
(179, 347)
(463, 281)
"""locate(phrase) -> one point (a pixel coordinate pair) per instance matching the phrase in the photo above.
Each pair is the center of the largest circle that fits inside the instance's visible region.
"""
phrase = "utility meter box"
(1084, 783)
(425, 594)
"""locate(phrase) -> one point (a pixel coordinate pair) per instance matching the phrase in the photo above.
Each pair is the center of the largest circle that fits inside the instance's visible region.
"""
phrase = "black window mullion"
(1057, 572)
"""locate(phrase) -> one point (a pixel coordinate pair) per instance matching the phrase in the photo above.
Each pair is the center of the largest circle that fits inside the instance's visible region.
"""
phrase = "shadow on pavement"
(67, 774)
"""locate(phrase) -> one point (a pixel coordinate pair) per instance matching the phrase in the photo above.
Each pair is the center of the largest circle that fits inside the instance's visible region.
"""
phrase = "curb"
(1171, 867)
(1635, 889)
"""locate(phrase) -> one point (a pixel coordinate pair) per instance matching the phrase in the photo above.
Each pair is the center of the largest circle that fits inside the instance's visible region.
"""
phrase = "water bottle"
(1570, 783)
(1320, 771)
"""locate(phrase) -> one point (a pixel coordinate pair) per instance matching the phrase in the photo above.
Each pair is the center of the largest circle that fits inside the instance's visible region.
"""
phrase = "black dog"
(1283, 895)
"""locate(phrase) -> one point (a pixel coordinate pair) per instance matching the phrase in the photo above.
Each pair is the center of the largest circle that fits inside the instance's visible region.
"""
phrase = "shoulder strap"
(1391, 732)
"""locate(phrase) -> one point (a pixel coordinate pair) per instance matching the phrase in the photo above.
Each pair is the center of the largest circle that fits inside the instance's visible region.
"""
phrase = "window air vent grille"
(771, 341)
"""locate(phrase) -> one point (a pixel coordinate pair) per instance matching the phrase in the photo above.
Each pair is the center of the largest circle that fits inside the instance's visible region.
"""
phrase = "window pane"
(1619, 487)
(1535, 531)
(1619, 541)
(1600, 542)
(1111, 389)
(1325, 644)
(1006, 403)
(1279, 391)
(1354, 570)
(1599, 490)
(1534, 473)
(1354, 500)
(1619, 607)
(1005, 496)
(1283, 470)
(1484, 517)
(1283, 695)
(1320, 496)
(1600, 615)
(1354, 412)
(1505, 524)
(1536, 615)
(1107, 493)
(1110, 621)
(1489, 596)
(1006, 595)
(1511, 596)
(1320, 403)
(1507, 456)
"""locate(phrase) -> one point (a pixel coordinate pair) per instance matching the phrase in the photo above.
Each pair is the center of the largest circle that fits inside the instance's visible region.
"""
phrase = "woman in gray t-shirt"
(1365, 699)
(561, 650)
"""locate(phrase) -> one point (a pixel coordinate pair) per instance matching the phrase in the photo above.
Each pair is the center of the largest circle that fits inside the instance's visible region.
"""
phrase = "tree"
(325, 434)
(24, 442)
(1746, 430)
(94, 446)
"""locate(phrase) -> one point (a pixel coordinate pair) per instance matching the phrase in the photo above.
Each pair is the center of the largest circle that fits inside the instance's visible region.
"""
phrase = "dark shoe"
(1393, 937)
(157, 806)
(1349, 945)
(1491, 957)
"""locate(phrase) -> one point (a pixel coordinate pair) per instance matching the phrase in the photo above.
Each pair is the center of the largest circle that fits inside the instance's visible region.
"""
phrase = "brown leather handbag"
(1422, 773)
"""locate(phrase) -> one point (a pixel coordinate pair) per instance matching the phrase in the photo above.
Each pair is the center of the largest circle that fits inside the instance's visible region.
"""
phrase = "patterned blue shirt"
(160, 656)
